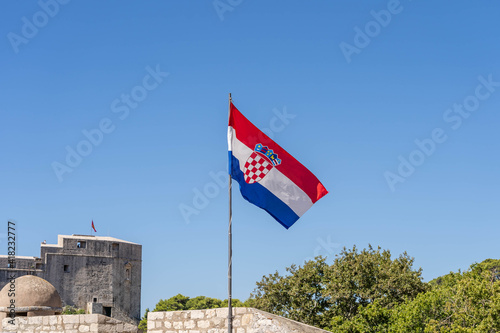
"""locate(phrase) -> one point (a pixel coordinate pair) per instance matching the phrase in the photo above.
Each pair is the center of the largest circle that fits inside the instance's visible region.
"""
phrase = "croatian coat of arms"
(261, 161)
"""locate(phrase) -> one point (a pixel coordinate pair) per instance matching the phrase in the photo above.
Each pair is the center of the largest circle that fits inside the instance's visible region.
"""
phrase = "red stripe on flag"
(250, 135)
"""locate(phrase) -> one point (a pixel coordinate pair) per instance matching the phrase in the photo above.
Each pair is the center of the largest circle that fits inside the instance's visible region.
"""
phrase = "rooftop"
(86, 237)
(17, 257)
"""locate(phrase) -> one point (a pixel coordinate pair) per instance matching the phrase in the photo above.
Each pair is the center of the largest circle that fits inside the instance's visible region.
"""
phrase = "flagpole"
(230, 250)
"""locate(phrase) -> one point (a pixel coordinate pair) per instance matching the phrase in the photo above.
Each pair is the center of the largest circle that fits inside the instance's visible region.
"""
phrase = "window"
(81, 244)
(95, 299)
(11, 264)
(38, 266)
(115, 247)
(107, 310)
(128, 271)
(66, 268)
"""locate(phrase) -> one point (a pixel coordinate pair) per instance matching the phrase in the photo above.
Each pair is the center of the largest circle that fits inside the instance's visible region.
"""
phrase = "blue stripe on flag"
(261, 196)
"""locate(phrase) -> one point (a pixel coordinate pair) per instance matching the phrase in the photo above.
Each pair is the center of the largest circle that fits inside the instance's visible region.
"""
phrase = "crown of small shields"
(269, 153)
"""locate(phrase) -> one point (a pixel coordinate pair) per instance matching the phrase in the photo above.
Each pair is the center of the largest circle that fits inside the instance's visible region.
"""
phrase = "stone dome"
(31, 291)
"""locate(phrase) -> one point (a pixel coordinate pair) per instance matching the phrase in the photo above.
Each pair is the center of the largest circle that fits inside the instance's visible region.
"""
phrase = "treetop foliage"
(317, 292)
(370, 291)
(181, 302)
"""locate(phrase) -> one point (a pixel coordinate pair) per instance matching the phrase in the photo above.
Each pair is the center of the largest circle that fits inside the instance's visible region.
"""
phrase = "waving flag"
(268, 176)
(93, 226)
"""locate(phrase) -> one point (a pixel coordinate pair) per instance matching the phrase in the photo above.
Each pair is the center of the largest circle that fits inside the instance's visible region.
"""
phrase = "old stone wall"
(246, 320)
(88, 269)
(23, 266)
(92, 323)
(102, 270)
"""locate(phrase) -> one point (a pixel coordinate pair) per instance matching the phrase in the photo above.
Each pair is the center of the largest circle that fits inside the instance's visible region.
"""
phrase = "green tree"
(370, 318)
(356, 291)
(458, 302)
(301, 295)
(202, 302)
(68, 309)
(143, 324)
(357, 279)
(175, 303)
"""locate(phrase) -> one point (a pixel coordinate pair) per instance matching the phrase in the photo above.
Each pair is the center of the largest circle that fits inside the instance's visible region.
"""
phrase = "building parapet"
(92, 323)
(245, 320)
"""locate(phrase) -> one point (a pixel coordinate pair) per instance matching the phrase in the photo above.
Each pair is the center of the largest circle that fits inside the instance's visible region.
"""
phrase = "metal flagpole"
(230, 250)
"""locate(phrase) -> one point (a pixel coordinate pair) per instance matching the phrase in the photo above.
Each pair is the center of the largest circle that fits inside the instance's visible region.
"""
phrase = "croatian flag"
(268, 176)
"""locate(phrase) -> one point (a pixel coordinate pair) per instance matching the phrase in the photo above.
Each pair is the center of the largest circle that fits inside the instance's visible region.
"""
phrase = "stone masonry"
(91, 323)
(246, 320)
(89, 272)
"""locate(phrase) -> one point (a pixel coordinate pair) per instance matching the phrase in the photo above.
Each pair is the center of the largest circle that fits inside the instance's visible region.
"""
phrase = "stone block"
(217, 322)
(222, 312)
(52, 320)
(210, 313)
(189, 324)
(215, 330)
(70, 319)
(155, 315)
(246, 319)
(197, 314)
(90, 319)
(84, 328)
(203, 324)
(10, 328)
(241, 310)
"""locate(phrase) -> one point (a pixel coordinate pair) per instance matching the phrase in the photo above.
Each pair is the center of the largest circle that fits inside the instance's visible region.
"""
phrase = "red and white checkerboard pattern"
(256, 168)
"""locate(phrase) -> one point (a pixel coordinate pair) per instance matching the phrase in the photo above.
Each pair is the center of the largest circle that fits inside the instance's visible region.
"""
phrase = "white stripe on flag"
(229, 138)
(286, 190)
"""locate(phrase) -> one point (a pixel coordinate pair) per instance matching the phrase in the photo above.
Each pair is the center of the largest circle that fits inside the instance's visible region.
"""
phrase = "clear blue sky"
(359, 101)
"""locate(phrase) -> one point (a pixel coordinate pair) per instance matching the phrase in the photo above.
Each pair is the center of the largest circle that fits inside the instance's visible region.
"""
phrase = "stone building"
(99, 274)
